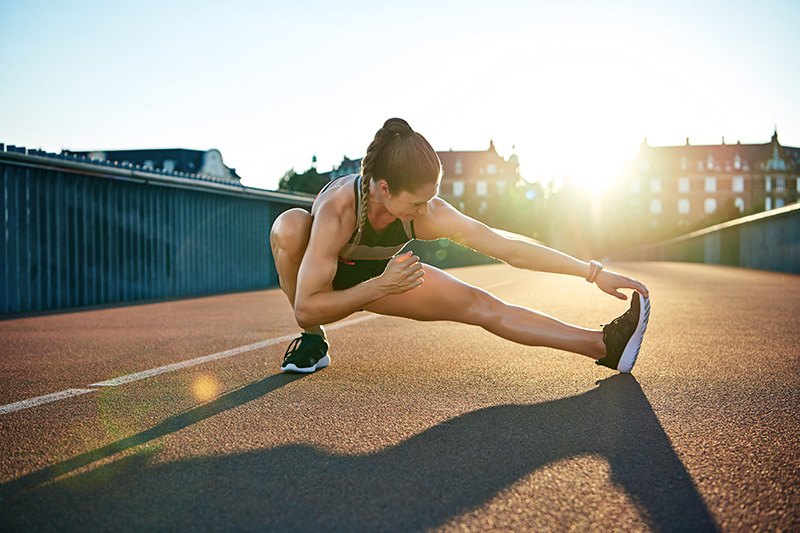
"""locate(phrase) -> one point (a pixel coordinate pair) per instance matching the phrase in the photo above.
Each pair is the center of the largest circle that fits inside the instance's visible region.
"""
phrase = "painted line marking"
(121, 380)
(41, 400)
(214, 357)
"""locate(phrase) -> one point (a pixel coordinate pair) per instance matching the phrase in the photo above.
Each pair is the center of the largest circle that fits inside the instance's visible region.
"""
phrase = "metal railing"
(78, 232)
(766, 241)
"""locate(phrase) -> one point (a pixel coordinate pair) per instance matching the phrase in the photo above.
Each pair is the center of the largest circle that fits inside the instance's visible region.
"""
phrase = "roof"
(184, 160)
(721, 157)
(475, 162)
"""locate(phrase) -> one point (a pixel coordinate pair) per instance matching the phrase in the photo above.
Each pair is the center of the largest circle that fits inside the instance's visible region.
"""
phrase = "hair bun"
(398, 126)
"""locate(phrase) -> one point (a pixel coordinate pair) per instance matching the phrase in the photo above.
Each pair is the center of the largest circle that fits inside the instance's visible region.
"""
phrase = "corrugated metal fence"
(78, 233)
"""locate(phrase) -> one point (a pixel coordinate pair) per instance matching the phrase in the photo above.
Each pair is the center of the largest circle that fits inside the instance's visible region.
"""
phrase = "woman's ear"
(383, 187)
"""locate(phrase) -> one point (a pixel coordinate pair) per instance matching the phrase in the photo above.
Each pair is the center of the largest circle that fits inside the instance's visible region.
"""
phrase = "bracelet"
(595, 267)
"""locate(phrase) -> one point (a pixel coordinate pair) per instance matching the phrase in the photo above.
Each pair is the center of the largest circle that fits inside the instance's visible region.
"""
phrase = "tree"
(309, 181)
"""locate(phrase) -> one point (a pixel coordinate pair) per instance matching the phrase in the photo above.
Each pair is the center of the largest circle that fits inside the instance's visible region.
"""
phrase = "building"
(467, 176)
(476, 175)
(676, 186)
(346, 167)
(198, 162)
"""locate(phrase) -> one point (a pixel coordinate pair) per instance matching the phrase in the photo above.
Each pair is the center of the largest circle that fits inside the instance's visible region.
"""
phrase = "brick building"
(674, 186)
(476, 175)
(467, 176)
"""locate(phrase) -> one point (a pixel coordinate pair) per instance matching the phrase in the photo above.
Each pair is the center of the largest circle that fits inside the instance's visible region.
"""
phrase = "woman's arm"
(444, 221)
(316, 302)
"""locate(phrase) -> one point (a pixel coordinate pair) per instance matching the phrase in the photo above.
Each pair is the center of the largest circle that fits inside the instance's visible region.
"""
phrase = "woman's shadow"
(418, 484)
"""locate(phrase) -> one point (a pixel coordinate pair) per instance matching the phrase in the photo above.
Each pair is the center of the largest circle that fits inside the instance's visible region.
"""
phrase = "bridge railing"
(77, 232)
(766, 241)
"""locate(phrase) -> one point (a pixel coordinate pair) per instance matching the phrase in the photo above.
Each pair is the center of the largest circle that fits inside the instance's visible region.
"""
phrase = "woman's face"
(408, 205)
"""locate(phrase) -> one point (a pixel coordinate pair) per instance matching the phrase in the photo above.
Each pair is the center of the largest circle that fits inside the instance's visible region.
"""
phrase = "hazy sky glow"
(575, 86)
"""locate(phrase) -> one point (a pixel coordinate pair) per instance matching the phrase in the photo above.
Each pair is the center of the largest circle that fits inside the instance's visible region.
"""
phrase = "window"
(737, 162)
(739, 203)
(481, 188)
(779, 202)
(711, 205)
(684, 185)
(501, 186)
(738, 184)
(780, 184)
(711, 184)
(710, 162)
(684, 163)
(491, 168)
(655, 207)
(768, 184)
(636, 186)
(148, 163)
(458, 188)
(768, 204)
(169, 165)
(459, 168)
(684, 206)
(699, 165)
(655, 185)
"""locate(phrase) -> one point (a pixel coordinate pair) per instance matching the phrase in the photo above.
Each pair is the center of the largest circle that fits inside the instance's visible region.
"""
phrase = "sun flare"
(205, 387)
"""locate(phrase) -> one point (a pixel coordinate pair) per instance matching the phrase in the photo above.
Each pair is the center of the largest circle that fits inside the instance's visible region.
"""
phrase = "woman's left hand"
(610, 282)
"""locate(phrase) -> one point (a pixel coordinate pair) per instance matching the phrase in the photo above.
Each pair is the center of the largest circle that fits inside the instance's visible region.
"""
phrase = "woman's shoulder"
(338, 196)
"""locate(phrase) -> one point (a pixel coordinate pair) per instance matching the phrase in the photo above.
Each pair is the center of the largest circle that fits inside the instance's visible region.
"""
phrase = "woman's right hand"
(403, 273)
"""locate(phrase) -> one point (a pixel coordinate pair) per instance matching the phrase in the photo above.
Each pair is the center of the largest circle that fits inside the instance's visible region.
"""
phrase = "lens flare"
(204, 388)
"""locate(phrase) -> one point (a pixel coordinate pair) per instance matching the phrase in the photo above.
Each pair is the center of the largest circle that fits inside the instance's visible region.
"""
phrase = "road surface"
(175, 416)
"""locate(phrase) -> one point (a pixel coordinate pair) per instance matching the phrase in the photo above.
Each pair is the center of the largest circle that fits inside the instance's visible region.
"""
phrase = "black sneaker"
(623, 337)
(306, 354)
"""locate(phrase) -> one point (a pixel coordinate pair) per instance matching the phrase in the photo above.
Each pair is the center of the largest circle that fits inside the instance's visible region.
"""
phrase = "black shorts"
(350, 273)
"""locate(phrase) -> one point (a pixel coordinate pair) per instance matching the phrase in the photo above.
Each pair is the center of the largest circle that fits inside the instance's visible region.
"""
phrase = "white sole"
(631, 351)
(322, 363)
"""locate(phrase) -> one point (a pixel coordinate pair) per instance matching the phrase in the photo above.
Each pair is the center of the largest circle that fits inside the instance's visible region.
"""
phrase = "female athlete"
(343, 257)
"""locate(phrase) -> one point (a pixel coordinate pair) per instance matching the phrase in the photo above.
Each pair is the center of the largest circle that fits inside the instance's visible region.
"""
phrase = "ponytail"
(401, 157)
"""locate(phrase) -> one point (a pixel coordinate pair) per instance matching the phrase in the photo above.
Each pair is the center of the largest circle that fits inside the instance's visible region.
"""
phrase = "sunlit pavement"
(414, 426)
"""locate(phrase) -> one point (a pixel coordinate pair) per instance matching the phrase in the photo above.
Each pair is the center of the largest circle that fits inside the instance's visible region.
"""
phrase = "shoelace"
(627, 319)
(292, 347)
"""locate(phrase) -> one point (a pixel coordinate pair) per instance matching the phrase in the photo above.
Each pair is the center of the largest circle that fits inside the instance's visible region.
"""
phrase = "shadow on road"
(418, 484)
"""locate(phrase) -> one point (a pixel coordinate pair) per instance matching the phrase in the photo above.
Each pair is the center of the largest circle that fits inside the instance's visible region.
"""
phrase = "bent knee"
(291, 229)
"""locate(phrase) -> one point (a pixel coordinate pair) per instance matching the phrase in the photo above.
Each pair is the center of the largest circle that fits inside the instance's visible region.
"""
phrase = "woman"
(343, 257)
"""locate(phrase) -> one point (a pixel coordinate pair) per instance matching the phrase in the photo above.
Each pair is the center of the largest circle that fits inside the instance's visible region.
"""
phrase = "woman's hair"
(401, 157)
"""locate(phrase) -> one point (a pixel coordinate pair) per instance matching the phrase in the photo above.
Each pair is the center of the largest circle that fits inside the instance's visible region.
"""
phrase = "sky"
(571, 87)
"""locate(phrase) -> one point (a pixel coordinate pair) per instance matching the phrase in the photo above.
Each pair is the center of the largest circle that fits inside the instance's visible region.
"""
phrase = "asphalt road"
(175, 416)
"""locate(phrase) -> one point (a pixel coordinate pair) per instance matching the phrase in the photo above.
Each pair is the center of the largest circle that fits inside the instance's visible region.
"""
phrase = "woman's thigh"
(440, 297)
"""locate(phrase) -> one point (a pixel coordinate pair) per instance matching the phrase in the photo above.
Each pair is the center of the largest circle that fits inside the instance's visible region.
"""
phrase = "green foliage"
(309, 181)
(518, 209)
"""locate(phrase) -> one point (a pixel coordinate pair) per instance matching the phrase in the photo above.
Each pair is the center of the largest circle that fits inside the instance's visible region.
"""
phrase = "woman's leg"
(443, 297)
(289, 238)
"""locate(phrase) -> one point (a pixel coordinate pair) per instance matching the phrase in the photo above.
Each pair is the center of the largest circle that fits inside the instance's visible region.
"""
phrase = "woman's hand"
(610, 282)
(403, 273)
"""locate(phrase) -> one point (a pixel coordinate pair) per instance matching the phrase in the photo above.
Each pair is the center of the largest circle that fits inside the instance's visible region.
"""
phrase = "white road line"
(214, 357)
(41, 400)
(121, 380)
(33, 402)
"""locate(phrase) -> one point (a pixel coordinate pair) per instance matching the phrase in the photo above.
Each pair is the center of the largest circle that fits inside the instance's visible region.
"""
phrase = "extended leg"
(443, 297)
